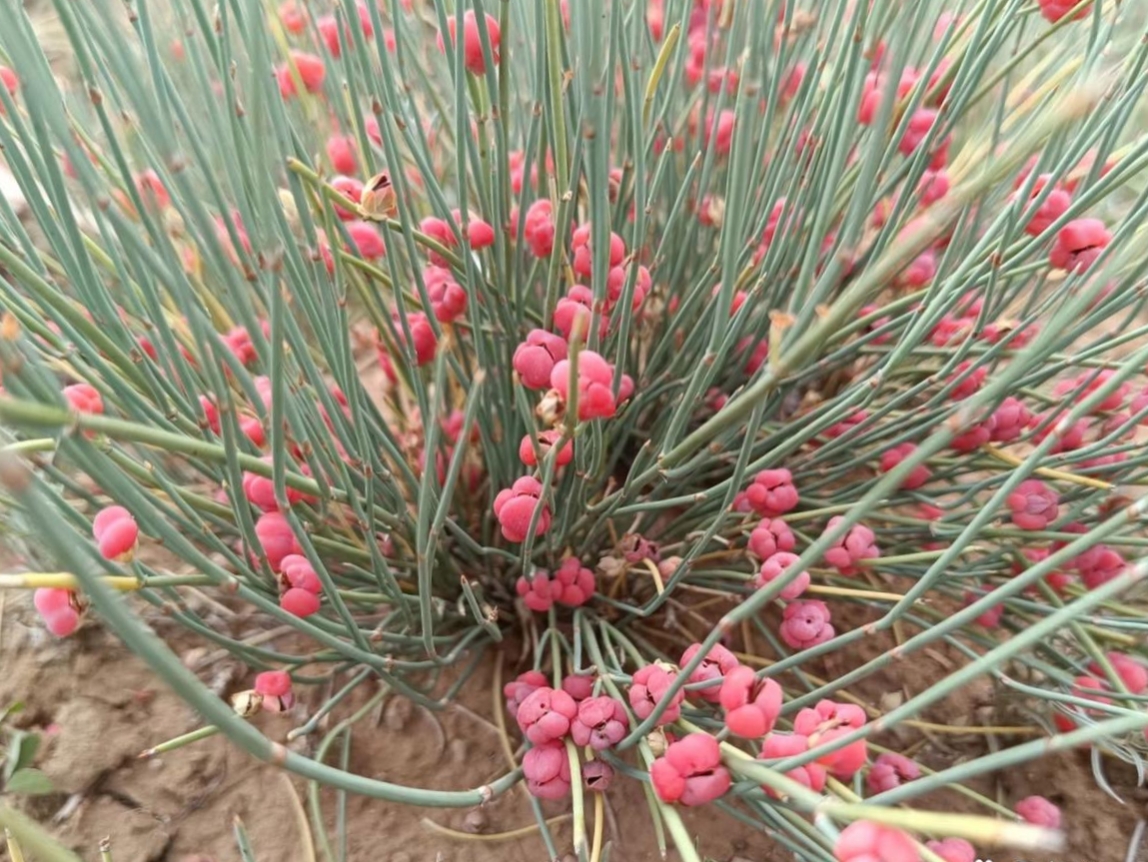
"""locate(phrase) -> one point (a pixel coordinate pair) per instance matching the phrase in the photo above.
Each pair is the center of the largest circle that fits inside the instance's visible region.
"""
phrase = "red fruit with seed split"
(56, 608)
(300, 603)
(83, 398)
(1078, 244)
(770, 536)
(538, 228)
(116, 533)
(772, 493)
(546, 769)
(774, 567)
(718, 662)
(597, 775)
(648, 687)
(299, 573)
(751, 705)
(522, 687)
(917, 477)
(595, 385)
(1038, 811)
(546, 440)
(806, 624)
(1132, 673)
(545, 715)
(311, 73)
(829, 721)
(778, 746)
(691, 771)
(472, 56)
(1034, 505)
(350, 188)
(953, 849)
(584, 255)
(866, 841)
(858, 544)
(601, 723)
(514, 507)
(276, 538)
(535, 358)
(891, 770)
(448, 298)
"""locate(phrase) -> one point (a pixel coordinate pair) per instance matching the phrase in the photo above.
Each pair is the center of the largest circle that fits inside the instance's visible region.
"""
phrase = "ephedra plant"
(690, 343)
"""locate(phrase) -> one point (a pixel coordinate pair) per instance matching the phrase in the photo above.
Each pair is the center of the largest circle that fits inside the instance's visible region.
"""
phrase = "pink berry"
(751, 705)
(718, 662)
(423, 340)
(56, 607)
(575, 312)
(778, 746)
(538, 228)
(448, 298)
(514, 507)
(311, 73)
(774, 567)
(578, 687)
(866, 841)
(771, 493)
(1054, 10)
(890, 770)
(953, 849)
(583, 253)
(891, 457)
(849, 550)
(770, 536)
(691, 771)
(84, 398)
(273, 683)
(276, 538)
(1038, 811)
(299, 573)
(1132, 673)
(595, 385)
(1078, 244)
(649, 687)
(519, 689)
(1009, 421)
(299, 602)
(366, 241)
(601, 723)
(535, 358)
(806, 624)
(1034, 505)
(547, 771)
(545, 715)
(546, 440)
(473, 58)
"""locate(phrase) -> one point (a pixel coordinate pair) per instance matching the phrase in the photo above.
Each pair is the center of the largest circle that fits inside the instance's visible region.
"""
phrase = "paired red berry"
(116, 533)
(690, 772)
(59, 610)
(473, 58)
(751, 705)
(649, 687)
(805, 624)
(515, 506)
